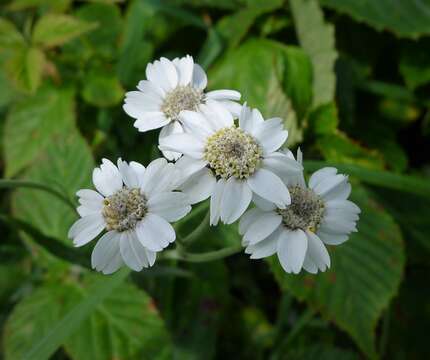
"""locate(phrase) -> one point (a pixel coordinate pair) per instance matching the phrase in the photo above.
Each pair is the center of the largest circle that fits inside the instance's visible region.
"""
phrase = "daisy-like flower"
(171, 87)
(319, 214)
(134, 205)
(229, 162)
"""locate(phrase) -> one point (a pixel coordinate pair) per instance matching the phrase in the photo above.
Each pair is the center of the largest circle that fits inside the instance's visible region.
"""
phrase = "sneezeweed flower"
(171, 87)
(318, 214)
(229, 162)
(134, 205)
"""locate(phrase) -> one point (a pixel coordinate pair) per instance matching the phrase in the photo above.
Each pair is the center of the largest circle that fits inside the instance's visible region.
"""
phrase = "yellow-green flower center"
(305, 212)
(181, 98)
(232, 152)
(124, 209)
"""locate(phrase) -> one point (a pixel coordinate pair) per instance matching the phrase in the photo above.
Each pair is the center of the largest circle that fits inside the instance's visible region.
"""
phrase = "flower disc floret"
(305, 212)
(232, 152)
(124, 209)
(179, 99)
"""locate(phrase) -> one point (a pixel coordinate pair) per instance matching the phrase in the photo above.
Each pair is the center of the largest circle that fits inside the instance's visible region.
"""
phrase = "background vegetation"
(352, 81)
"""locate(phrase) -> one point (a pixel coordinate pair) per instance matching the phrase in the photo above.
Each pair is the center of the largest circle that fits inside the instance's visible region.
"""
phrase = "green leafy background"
(350, 79)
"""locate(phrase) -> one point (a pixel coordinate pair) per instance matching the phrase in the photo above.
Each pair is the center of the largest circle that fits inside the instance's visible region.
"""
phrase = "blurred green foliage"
(351, 79)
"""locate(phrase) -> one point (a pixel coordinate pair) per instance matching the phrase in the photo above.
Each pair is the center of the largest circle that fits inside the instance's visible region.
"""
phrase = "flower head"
(134, 205)
(172, 87)
(230, 162)
(319, 214)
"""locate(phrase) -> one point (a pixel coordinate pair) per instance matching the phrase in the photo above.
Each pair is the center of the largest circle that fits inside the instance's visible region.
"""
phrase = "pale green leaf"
(31, 124)
(24, 69)
(54, 29)
(318, 40)
(10, 37)
(406, 18)
(365, 275)
(102, 89)
(101, 318)
(54, 5)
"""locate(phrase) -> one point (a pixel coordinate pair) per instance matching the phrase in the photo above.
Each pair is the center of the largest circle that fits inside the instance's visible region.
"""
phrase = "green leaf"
(318, 40)
(53, 5)
(25, 68)
(31, 124)
(404, 18)
(233, 28)
(256, 69)
(54, 29)
(10, 37)
(324, 119)
(66, 164)
(338, 147)
(102, 89)
(415, 64)
(321, 352)
(102, 318)
(365, 275)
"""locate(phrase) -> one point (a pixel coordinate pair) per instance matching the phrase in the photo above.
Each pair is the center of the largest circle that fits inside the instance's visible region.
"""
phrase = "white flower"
(134, 205)
(319, 214)
(228, 162)
(171, 87)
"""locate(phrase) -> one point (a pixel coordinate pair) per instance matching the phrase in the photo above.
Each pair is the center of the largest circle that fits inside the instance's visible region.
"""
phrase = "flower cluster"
(223, 151)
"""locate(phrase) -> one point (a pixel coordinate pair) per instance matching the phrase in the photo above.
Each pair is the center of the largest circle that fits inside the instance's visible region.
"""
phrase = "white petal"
(282, 165)
(246, 120)
(215, 202)
(174, 127)
(217, 116)
(292, 246)
(342, 215)
(129, 176)
(343, 205)
(183, 143)
(152, 171)
(199, 186)
(329, 183)
(317, 251)
(170, 72)
(151, 88)
(236, 199)
(337, 226)
(154, 232)
(271, 135)
(189, 166)
(223, 95)
(233, 107)
(84, 211)
(185, 67)
(200, 79)
(270, 187)
(105, 253)
(262, 227)
(340, 192)
(132, 251)
(248, 219)
(86, 229)
(90, 195)
(138, 169)
(171, 206)
(265, 248)
(309, 265)
(159, 176)
(196, 124)
(332, 239)
(163, 77)
(107, 178)
(320, 175)
(263, 204)
(151, 121)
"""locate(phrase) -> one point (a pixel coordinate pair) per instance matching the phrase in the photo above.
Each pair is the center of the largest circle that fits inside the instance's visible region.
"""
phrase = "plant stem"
(195, 234)
(202, 257)
(10, 184)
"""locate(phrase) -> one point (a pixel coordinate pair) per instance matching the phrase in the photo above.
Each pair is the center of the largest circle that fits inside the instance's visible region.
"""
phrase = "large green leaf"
(406, 18)
(10, 37)
(256, 69)
(102, 88)
(24, 68)
(53, 30)
(98, 319)
(66, 164)
(365, 275)
(31, 124)
(317, 39)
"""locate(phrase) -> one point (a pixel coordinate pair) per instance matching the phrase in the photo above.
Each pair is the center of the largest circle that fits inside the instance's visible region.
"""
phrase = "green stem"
(202, 257)
(198, 231)
(10, 184)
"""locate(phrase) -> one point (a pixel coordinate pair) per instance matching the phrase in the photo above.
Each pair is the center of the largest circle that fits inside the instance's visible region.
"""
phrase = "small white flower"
(319, 214)
(134, 205)
(228, 162)
(171, 87)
